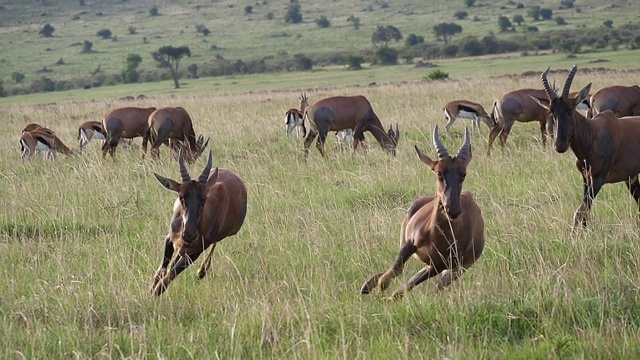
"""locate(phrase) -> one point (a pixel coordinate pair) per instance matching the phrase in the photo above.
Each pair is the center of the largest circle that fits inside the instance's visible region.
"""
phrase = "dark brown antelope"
(127, 122)
(346, 112)
(621, 100)
(467, 110)
(445, 231)
(294, 118)
(207, 210)
(515, 106)
(90, 130)
(42, 140)
(606, 148)
(166, 125)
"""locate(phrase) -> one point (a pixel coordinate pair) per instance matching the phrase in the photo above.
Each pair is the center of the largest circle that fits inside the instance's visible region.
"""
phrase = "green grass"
(82, 236)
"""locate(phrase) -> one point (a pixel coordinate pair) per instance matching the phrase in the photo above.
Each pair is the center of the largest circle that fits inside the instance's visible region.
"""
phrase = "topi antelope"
(518, 105)
(294, 118)
(126, 122)
(42, 140)
(621, 100)
(445, 231)
(467, 110)
(90, 130)
(207, 210)
(606, 148)
(166, 125)
(346, 112)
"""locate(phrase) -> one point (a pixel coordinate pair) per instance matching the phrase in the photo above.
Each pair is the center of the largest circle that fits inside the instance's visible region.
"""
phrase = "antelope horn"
(397, 132)
(465, 149)
(551, 93)
(184, 174)
(205, 173)
(442, 151)
(567, 84)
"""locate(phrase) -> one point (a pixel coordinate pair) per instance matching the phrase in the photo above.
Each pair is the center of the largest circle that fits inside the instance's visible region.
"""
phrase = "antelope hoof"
(369, 285)
(201, 273)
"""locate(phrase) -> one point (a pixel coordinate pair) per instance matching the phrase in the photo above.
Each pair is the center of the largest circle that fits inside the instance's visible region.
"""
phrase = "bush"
(436, 74)
(450, 50)
(248, 9)
(471, 46)
(355, 21)
(293, 14)
(387, 55)
(566, 4)
(17, 76)
(546, 14)
(469, 3)
(132, 30)
(532, 29)
(560, 20)
(47, 30)
(86, 47)
(202, 29)
(303, 62)
(534, 12)
(354, 62)
(104, 33)
(460, 15)
(413, 40)
(608, 23)
(153, 11)
(323, 22)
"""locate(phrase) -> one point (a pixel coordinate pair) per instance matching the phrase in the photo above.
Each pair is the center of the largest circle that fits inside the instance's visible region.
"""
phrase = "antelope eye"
(439, 174)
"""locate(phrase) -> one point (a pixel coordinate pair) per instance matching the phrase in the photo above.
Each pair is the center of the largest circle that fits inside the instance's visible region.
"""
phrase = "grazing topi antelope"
(166, 125)
(606, 148)
(207, 210)
(294, 118)
(42, 140)
(445, 231)
(621, 100)
(467, 110)
(346, 112)
(126, 122)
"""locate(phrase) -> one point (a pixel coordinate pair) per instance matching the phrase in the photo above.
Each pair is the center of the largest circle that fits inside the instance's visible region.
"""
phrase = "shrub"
(450, 50)
(323, 22)
(387, 55)
(560, 20)
(248, 9)
(534, 12)
(532, 29)
(355, 21)
(518, 19)
(566, 4)
(504, 23)
(436, 74)
(303, 62)
(202, 29)
(546, 14)
(460, 15)
(293, 14)
(86, 47)
(413, 40)
(354, 62)
(47, 30)
(17, 76)
(153, 11)
(132, 30)
(608, 23)
(469, 3)
(104, 33)
(471, 46)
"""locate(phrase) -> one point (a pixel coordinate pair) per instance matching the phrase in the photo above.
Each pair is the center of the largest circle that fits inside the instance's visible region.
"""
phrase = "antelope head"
(304, 102)
(192, 195)
(450, 171)
(562, 108)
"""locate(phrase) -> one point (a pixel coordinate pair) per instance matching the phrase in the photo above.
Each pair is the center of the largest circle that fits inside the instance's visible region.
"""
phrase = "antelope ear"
(213, 178)
(544, 105)
(168, 183)
(583, 94)
(425, 158)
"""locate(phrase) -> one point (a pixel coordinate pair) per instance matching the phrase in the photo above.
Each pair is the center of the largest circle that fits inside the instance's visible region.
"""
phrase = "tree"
(104, 33)
(385, 34)
(47, 30)
(447, 30)
(86, 47)
(534, 12)
(504, 23)
(413, 40)
(153, 11)
(387, 55)
(169, 56)
(460, 15)
(518, 19)
(130, 74)
(17, 76)
(608, 23)
(354, 62)
(355, 21)
(469, 3)
(546, 14)
(323, 22)
(294, 14)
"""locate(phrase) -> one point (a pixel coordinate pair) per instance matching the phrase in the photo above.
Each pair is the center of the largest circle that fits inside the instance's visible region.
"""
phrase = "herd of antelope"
(445, 231)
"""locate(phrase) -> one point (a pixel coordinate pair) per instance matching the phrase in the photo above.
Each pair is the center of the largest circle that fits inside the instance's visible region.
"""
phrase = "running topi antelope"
(467, 110)
(346, 112)
(126, 122)
(621, 100)
(169, 124)
(294, 118)
(445, 231)
(519, 105)
(207, 210)
(42, 140)
(90, 130)
(606, 148)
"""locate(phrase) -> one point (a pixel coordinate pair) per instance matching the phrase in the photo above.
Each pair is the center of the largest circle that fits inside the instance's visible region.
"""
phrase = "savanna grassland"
(82, 237)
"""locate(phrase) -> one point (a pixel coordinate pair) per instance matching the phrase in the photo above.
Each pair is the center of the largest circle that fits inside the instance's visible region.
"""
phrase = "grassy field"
(82, 237)
(236, 35)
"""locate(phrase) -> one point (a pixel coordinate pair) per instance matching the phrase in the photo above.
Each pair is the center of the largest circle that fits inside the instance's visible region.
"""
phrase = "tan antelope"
(606, 147)
(294, 118)
(346, 112)
(621, 100)
(34, 126)
(90, 130)
(166, 125)
(126, 122)
(518, 105)
(42, 140)
(467, 110)
(445, 231)
(206, 211)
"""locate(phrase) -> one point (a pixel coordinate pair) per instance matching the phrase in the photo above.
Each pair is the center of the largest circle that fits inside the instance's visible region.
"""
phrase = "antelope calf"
(207, 210)
(467, 110)
(42, 140)
(445, 231)
(294, 118)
